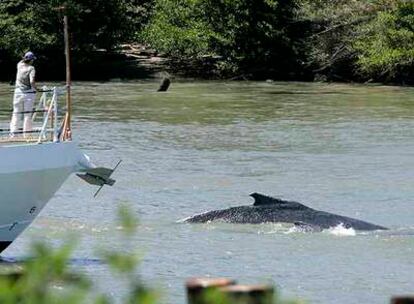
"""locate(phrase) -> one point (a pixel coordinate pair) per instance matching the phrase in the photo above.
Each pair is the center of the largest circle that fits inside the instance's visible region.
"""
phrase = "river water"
(206, 145)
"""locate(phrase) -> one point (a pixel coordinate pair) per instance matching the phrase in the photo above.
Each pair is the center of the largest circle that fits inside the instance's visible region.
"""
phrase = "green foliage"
(37, 24)
(278, 39)
(360, 39)
(20, 29)
(240, 32)
(178, 28)
(386, 44)
(138, 13)
(333, 28)
(47, 278)
(129, 222)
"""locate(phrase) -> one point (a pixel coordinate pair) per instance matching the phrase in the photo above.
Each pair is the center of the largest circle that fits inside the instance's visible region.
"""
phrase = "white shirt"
(25, 76)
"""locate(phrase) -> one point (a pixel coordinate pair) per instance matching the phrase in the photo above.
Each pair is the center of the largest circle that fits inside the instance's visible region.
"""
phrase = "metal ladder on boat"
(48, 104)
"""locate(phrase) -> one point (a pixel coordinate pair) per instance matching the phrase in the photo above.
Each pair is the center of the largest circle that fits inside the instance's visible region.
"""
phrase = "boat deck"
(46, 126)
(7, 141)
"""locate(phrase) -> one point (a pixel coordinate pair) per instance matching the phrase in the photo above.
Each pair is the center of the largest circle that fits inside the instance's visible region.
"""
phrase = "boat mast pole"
(67, 132)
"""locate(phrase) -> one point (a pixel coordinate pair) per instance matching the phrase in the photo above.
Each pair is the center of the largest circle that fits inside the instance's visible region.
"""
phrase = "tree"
(247, 35)
(20, 29)
(385, 45)
(355, 39)
(37, 25)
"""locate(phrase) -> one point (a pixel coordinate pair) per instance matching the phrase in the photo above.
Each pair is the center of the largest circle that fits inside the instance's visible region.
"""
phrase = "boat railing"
(46, 125)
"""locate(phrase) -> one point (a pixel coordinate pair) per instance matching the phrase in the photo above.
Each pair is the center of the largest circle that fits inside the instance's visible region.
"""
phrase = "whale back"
(261, 200)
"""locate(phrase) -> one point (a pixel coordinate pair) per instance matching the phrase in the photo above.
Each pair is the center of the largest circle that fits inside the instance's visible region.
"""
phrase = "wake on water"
(284, 228)
(278, 228)
(339, 230)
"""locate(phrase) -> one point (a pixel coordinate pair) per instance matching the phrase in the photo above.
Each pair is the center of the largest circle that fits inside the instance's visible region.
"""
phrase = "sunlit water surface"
(346, 149)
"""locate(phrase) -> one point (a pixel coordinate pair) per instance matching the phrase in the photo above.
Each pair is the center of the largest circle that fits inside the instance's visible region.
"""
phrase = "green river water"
(206, 145)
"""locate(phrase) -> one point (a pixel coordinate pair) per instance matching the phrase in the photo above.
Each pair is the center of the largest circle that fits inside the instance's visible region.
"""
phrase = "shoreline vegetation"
(301, 40)
(305, 40)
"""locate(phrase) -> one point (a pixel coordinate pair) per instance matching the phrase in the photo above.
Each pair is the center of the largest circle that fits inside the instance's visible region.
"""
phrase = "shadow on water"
(72, 262)
(306, 93)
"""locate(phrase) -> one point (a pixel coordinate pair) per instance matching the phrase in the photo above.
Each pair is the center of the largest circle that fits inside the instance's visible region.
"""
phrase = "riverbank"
(128, 62)
(137, 61)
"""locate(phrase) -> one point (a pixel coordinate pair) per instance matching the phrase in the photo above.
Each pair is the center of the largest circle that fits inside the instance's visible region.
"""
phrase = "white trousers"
(22, 102)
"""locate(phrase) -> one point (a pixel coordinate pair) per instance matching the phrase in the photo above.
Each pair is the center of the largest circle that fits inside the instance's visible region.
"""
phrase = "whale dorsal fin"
(264, 200)
(260, 200)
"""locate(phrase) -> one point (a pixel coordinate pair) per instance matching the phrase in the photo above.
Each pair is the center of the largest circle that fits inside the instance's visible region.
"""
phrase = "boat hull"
(29, 177)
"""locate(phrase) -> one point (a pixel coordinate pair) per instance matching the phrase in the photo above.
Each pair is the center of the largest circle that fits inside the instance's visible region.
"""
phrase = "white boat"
(33, 169)
(35, 164)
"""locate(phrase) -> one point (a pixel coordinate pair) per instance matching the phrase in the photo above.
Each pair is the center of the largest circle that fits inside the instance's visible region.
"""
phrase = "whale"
(266, 209)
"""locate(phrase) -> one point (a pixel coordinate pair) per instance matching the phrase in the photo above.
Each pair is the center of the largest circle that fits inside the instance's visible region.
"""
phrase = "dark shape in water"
(165, 84)
(267, 209)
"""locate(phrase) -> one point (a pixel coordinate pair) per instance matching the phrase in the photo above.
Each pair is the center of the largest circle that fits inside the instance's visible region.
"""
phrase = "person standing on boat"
(24, 94)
